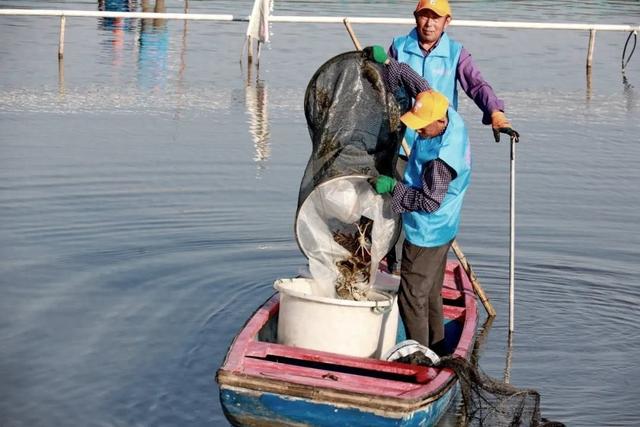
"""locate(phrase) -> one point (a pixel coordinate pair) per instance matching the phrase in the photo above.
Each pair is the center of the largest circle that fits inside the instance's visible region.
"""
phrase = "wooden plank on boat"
(411, 372)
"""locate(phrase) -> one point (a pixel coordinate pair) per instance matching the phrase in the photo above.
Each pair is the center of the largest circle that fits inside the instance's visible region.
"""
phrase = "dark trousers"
(420, 299)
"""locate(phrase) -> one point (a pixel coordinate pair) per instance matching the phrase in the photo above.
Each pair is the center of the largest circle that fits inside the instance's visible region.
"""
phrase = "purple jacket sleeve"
(476, 87)
(435, 183)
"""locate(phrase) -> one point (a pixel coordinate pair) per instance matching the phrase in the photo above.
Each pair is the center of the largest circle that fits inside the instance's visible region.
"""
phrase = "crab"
(364, 242)
(354, 270)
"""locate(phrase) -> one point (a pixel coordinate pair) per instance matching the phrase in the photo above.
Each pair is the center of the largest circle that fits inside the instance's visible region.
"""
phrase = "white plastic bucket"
(353, 328)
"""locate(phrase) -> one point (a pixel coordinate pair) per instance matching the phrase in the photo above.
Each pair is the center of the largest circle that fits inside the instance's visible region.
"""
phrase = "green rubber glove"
(385, 184)
(376, 53)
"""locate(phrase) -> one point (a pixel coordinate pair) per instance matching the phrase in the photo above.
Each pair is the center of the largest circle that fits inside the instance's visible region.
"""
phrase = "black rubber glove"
(500, 124)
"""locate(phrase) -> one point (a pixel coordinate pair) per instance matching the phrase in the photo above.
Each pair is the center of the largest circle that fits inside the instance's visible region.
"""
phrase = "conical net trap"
(342, 225)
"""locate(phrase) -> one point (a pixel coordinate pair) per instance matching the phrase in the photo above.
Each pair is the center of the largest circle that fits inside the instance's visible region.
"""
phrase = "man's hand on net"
(500, 124)
(383, 184)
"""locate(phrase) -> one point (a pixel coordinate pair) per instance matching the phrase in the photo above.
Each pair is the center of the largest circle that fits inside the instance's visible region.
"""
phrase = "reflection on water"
(629, 94)
(117, 6)
(256, 103)
(183, 49)
(153, 47)
(117, 27)
(149, 38)
(61, 77)
(627, 54)
(508, 358)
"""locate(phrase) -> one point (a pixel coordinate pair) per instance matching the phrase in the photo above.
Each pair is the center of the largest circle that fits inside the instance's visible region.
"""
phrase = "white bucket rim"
(386, 302)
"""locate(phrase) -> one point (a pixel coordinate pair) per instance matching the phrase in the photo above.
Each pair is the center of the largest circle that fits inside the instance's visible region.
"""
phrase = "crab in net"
(354, 271)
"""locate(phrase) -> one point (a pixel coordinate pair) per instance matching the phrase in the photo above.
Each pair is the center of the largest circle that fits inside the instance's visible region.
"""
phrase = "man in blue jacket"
(430, 200)
(444, 63)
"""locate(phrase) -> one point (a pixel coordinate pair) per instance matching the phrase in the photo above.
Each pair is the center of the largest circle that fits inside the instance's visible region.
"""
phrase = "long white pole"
(512, 235)
(317, 19)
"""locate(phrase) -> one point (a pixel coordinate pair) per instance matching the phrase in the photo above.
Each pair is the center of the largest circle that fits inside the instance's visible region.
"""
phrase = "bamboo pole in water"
(61, 41)
(592, 43)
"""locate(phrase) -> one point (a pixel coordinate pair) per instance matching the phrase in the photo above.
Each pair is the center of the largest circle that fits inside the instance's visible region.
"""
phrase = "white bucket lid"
(407, 347)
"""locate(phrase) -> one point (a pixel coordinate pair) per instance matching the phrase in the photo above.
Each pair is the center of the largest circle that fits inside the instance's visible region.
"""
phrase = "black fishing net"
(487, 402)
(353, 121)
(342, 225)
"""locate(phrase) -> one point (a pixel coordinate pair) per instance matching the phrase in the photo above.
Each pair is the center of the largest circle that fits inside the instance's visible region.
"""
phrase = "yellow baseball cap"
(441, 7)
(429, 107)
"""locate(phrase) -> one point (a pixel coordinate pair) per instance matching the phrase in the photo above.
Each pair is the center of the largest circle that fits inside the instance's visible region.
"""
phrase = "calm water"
(147, 196)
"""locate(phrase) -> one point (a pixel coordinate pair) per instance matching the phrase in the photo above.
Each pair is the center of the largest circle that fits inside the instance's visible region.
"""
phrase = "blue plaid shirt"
(437, 174)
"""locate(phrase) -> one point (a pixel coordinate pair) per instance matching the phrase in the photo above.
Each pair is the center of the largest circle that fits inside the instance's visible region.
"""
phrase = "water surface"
(148, 189)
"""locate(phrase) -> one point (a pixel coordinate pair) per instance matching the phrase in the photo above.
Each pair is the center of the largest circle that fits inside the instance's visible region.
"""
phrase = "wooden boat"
(263, 383)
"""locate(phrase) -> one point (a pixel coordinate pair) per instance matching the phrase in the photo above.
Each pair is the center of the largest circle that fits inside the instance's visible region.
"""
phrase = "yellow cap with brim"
(429, 107)
(441, 7)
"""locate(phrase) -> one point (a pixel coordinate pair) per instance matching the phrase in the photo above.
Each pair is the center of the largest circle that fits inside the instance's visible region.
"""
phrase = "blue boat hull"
(250, 408)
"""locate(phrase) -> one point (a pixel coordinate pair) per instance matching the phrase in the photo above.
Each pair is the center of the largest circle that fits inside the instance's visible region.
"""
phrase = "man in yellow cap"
(444, 63)
(430, 200)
